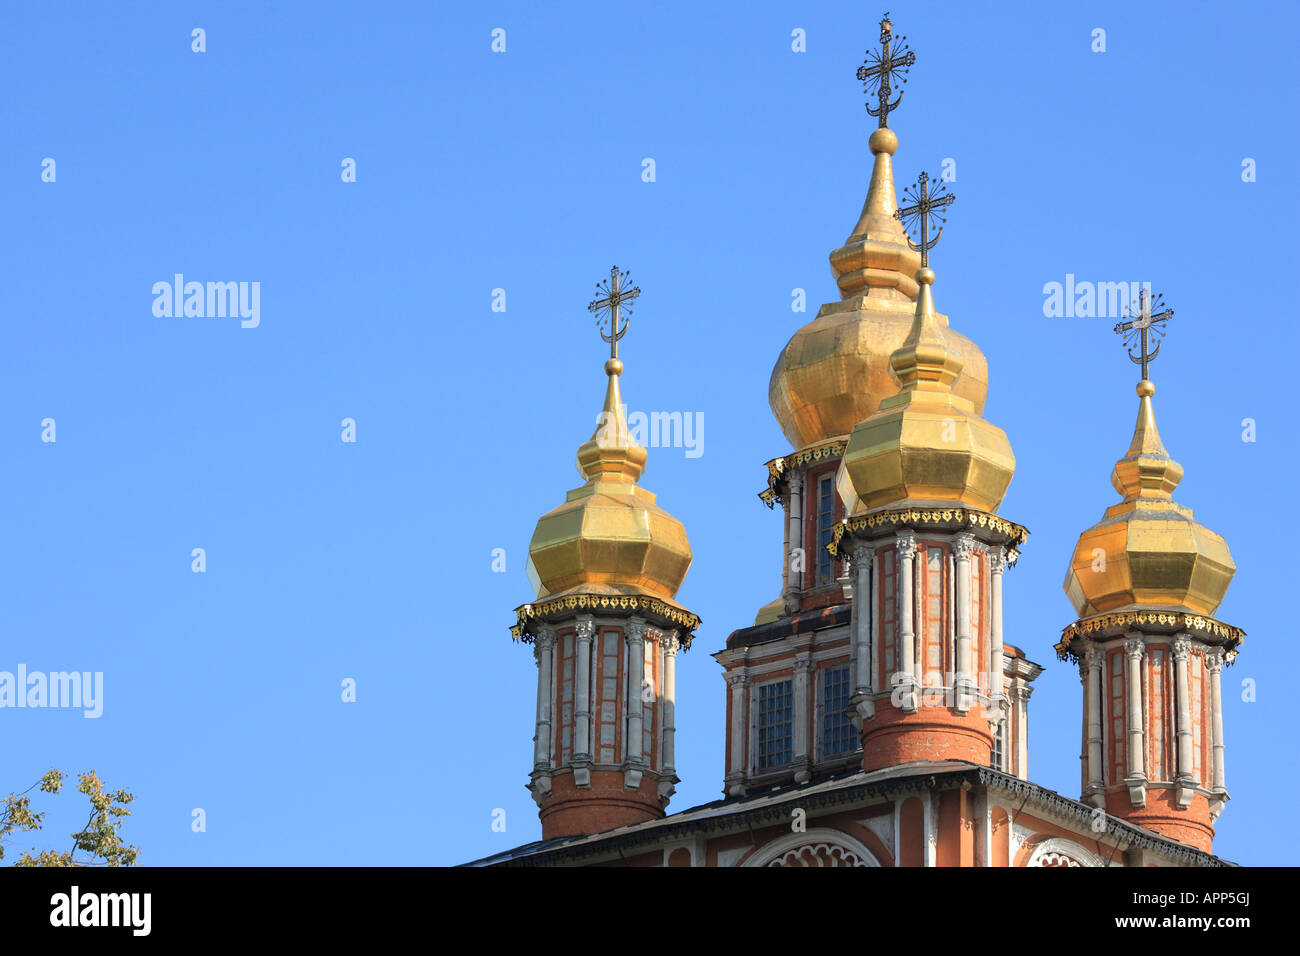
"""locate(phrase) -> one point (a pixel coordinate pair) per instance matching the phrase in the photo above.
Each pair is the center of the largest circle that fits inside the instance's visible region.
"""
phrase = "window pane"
(775, 724)
(825, 522)
(839, 736)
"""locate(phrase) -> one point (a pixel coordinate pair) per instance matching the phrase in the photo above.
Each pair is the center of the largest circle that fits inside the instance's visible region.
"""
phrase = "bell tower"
(605, 629)
(1145, 582)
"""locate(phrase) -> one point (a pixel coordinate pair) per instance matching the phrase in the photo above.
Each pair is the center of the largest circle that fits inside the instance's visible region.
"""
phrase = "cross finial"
(923, 209)
(879, 71)
(611, 305)
(1145, 327)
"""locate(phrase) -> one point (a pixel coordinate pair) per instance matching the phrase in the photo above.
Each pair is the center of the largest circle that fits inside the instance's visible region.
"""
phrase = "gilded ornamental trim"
(1173, 620)
(945, 518)
(777, 467)
(604, 602)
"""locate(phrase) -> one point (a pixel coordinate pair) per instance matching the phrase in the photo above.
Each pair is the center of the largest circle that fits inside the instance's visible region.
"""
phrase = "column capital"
(1092, 657)
(636, 630)
(671, 642)
(1214, 659)
(794, 481)
(862, 554)
(1134, 648)
(962, 546)
(1182, 647)
(803, 662)
(586, 628)
(906, 545)
(997, 559)
(544, 639)
(738, 680)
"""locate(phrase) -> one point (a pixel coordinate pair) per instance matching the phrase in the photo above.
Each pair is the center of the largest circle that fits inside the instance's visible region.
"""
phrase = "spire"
(925, 360)
(875, 256)
(1146, 471)
(611, 452)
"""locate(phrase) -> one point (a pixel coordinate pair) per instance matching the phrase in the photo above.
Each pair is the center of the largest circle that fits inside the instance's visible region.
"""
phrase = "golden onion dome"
(609, 536)
(1147, 551)
(926, 444)
(835, 371)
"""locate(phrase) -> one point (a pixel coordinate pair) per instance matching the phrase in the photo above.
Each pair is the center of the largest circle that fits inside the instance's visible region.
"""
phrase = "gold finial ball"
(925, 276)
(883, 140)
(613, 367)
(1146, 388)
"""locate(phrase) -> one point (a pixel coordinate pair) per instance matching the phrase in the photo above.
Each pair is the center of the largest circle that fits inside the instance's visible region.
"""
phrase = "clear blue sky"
(522, 171)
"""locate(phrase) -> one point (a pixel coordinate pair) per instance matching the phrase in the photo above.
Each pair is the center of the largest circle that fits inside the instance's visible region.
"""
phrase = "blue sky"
(522, 171)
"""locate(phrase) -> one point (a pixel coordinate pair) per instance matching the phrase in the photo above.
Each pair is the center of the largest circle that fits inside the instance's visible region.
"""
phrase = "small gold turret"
(609, 536)
(1148, 551)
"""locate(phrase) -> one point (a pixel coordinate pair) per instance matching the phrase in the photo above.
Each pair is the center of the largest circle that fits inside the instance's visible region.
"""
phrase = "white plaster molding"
(1058, 850)
(812, 848)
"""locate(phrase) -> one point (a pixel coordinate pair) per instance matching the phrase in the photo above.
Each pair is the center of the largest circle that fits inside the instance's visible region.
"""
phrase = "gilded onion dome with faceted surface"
(836, 370)
(1148, 551)
(926, 444)
(609, 536)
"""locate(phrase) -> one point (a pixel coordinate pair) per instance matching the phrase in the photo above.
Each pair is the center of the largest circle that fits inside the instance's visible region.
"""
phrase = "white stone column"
(544, 646)
(864, 651)
(874, 639)
(962, 546)
(636, 629)
(1133, 652)
(1182, 648)
(1021, 703)
(930, 801)
(586, 630)
(802, 700)
(1214, 662)
(906, 550)
(739, 684)
(996, 667)
(668, 701)
(794, 482)
(1096, 782)
(787, 578)
(1084, 712)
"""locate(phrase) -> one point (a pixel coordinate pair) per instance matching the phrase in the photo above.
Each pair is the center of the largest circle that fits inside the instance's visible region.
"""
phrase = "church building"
(876, 714)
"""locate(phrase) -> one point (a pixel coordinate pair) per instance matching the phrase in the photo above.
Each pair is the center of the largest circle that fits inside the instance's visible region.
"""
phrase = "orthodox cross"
(919, 216)
(879, 69)
(1145, 328)
(611, 306)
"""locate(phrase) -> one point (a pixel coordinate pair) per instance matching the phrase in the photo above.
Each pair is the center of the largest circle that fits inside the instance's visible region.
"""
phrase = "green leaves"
(101, 837)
